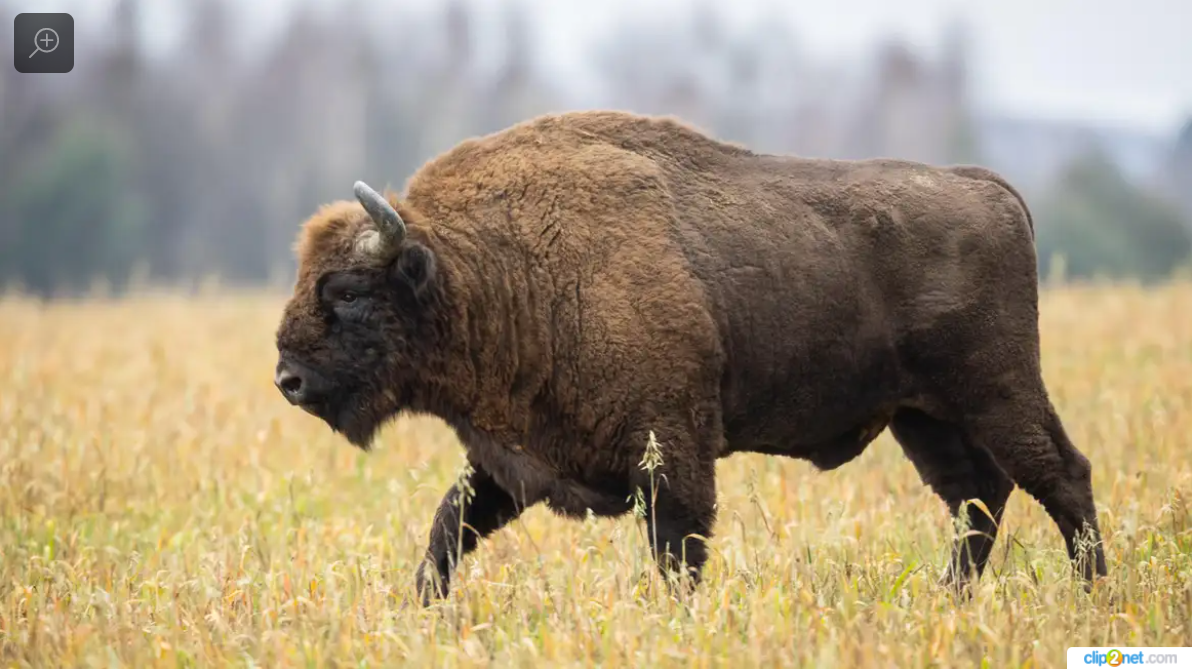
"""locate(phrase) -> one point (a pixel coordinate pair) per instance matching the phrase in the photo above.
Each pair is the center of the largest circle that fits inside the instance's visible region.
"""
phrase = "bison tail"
(986, 174)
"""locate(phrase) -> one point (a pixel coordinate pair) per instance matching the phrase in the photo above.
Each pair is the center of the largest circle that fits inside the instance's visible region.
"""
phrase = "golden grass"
(161, 505)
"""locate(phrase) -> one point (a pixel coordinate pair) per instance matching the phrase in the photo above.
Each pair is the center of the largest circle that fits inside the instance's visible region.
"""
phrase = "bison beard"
(562, 289)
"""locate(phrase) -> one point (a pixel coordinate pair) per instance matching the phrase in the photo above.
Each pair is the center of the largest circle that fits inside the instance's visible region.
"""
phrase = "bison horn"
(389, 223)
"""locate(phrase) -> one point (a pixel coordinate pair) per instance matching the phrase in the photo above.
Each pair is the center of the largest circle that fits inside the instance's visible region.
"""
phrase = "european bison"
(561, 289)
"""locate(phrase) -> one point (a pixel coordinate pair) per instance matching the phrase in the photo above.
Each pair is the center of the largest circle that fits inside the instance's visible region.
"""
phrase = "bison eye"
(348, 297)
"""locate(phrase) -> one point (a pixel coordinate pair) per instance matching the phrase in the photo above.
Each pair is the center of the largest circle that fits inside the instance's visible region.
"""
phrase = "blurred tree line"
(202, 160)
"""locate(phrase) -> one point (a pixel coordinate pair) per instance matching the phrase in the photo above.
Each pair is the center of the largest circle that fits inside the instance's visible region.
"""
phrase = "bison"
(564, 290)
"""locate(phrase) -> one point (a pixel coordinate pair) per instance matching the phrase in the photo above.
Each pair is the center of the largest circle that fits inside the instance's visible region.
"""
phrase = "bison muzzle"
(561, 290)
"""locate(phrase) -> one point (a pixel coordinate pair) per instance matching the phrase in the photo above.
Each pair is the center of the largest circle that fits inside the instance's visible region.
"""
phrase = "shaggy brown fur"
(574, 282)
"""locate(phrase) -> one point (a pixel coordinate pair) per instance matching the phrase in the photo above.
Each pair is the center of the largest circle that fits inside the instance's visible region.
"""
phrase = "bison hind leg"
(1025, 435)
(958, 471)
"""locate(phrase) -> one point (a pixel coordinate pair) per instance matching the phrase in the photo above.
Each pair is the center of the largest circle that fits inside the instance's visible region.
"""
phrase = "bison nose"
(290, 384)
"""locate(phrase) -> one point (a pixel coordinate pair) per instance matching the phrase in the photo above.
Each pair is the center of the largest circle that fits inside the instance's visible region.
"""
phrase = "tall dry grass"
(161, 505)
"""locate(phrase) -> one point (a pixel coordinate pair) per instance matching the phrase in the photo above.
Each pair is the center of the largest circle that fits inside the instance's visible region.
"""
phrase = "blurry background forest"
(197, 158)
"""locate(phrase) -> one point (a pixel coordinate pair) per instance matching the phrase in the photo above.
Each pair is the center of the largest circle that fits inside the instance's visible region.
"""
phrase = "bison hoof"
(431, 584)
(957, 581)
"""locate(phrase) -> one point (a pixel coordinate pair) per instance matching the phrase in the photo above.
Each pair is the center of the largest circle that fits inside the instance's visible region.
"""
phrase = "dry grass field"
(162, 505)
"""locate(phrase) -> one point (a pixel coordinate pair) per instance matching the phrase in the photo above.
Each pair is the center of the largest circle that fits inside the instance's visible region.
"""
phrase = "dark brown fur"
(577, 281)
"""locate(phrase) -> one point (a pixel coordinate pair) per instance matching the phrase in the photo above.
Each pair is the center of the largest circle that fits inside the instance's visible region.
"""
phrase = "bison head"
(364, 306)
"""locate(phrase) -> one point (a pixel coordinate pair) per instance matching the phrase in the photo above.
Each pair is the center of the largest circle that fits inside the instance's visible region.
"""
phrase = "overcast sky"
(1115, 61)
(1125, 62)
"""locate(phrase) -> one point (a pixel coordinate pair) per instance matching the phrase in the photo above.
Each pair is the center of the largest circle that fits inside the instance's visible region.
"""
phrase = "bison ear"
(414, 267)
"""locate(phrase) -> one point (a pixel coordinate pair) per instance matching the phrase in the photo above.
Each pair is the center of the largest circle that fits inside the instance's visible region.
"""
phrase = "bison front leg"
(473, 509)
(676, 481)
